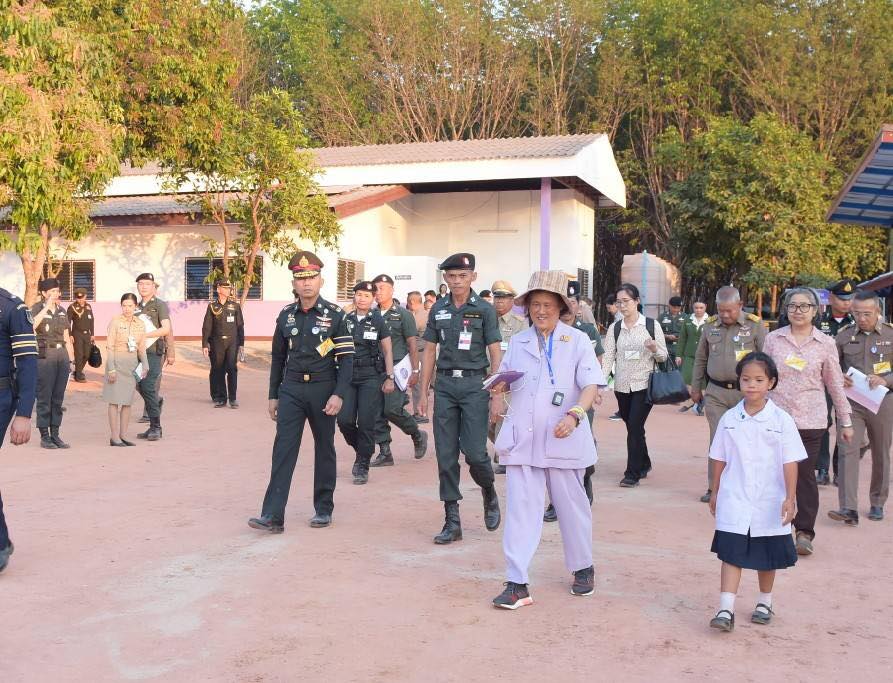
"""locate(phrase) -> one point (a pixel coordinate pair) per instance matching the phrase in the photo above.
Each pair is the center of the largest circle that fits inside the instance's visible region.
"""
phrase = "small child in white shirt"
(755, 453)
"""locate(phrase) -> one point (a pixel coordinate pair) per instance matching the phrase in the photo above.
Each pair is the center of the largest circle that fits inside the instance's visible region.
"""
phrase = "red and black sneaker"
(514, 596)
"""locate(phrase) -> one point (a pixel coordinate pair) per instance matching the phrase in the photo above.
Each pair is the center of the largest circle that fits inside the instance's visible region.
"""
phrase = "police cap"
(486, 293)
(503, 288)
(383, 278)
(305, 264)
(79, 292)
(48, 284)
(364, 286)
(145, 276)
(461, 261)
(844, 289)
(222, 282)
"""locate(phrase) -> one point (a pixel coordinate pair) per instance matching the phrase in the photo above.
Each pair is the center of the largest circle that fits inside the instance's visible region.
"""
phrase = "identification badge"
(325, 347)
(557, 398)
(882, 367)
(504, 345)
(740, 353)
(632, 355)
(443, 315)
(464, 340)
(370, 334)
(794, 361)
(230, 318)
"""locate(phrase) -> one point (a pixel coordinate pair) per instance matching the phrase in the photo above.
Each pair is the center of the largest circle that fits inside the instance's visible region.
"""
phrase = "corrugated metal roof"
(867, 196)
(550, 146)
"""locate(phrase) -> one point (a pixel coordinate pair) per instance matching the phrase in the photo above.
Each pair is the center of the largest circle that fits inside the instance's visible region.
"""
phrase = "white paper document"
(862, 394)
(402, 373)
(149, 328)
(138, 372)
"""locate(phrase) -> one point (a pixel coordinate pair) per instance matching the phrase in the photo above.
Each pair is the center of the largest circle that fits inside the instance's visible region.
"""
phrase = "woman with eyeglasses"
(633, 345)
(808, 364)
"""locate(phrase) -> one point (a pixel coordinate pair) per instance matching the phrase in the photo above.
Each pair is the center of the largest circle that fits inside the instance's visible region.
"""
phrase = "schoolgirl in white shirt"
(755, 452)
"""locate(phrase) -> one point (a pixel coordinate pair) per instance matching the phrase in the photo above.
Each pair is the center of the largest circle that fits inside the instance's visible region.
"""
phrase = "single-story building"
(518, 204)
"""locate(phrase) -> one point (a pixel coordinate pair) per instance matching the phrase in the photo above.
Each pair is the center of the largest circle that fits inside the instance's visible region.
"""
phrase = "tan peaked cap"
(503, 288)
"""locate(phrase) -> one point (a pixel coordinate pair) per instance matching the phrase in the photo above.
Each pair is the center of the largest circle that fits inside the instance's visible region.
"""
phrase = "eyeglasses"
(623, 302)
(863, 314)
(800, 308)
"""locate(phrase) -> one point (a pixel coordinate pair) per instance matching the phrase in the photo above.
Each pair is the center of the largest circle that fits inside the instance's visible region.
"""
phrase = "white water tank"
(656, 279)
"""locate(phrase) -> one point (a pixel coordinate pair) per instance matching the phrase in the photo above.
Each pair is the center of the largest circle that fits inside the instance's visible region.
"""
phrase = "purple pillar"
(545, 221)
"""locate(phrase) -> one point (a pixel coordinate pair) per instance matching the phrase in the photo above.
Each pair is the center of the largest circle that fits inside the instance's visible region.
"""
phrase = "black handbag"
(95, 358)
(665, 385)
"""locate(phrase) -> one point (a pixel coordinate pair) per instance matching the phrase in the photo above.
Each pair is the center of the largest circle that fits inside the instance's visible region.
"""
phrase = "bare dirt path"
(137, 564)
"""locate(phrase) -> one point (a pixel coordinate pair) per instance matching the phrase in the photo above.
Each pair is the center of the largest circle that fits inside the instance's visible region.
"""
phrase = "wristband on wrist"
(577, 413)
(849, 426)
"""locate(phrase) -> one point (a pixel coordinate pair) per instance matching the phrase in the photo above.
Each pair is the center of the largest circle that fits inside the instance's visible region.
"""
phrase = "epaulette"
(753, 318)
(335, 307)
(287, 306)
(711, 319)
(845, 327)
(890, 325)
(5, 294)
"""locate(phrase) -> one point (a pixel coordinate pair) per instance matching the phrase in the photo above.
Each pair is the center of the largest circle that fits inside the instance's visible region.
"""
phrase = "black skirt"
(763, 553)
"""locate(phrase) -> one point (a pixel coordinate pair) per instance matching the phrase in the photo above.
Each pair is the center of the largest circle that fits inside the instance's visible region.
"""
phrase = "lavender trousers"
(525, 500)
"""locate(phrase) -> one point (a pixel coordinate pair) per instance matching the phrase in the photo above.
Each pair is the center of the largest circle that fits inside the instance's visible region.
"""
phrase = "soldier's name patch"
(370, 334)
(443, 315)
(472, 315)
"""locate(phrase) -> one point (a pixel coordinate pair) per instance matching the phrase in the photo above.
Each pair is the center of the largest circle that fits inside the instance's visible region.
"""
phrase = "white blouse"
(755, 449)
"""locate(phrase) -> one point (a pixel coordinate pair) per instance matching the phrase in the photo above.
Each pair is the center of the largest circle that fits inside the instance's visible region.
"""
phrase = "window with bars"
(199, 289)
(583, 279)
(75, 274)
(349, 273)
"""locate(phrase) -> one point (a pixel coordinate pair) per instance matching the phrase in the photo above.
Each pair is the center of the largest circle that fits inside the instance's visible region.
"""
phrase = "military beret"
(222, 282)
(305, 264)
(461, 261)
(80, 291)
(485, 293)
(383, 278)
(503, 288)
(48, 284)
(364, 286)
(145, 276)
(844, 289)
(675, 301)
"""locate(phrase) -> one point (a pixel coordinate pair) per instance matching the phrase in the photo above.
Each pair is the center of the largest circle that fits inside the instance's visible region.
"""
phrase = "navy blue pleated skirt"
(763, 553)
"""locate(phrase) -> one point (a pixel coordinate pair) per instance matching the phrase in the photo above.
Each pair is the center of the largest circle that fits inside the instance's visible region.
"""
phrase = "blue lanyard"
(548, 354)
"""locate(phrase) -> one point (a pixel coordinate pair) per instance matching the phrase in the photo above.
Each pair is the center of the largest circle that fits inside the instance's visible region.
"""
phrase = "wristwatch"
(391, 376)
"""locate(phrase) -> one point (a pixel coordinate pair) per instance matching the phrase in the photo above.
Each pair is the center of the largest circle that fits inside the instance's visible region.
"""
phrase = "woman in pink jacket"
(545, 442)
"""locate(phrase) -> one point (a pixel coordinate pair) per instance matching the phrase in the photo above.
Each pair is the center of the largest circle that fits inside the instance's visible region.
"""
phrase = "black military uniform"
(156, 311)
(223, 334)
(461, 405)
(18, 381)
(53, 368)
(672, 323)
(80, 320)
(363, 400)
(312, 360)
(845, 290)
(404, 333)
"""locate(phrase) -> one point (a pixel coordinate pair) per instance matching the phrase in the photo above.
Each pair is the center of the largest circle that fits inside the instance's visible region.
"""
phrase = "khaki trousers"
(717, 400)
(880, 434)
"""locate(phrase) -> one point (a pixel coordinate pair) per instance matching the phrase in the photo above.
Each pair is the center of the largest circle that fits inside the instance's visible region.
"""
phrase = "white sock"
(727, 602)
(766, 599)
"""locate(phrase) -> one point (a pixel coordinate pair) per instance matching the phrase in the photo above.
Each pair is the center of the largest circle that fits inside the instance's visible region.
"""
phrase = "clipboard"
(507, 376)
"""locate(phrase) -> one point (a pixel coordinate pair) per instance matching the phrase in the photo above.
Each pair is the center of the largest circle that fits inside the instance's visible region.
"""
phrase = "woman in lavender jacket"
(545, 442)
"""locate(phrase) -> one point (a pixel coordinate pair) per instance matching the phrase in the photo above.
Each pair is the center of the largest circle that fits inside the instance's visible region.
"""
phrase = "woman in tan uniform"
(125, 349)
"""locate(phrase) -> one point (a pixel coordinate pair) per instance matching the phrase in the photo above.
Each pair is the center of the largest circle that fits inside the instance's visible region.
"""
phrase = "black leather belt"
(366, 362)
(724, 385)
(462, 373)
(307, 377)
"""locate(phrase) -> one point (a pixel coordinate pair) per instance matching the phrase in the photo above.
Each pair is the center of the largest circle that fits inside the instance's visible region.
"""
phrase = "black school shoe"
(550, 515)
(584, 582)
(266, 524)
(514, 596)
(723, 621)
(848, 517)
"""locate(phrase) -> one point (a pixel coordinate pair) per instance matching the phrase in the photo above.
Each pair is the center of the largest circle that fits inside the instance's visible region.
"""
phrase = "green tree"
(60, 131)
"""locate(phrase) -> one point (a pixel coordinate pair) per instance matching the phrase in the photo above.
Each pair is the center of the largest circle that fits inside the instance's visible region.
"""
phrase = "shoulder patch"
(753, 318)
(335, 308)
(711, 319)
(287, 306)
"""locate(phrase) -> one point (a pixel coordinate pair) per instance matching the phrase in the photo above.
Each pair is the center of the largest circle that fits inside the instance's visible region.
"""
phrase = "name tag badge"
(557, 398)
(740, 353)
(370, 334)
(230, 318)
(504, 345)
(325, 347)
(464, 340)
(794, 361)
(632, 355)
(443, 315)
(882, 367)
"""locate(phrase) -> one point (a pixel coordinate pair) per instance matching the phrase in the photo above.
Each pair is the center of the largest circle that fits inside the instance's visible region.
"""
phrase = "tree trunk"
(759, 310)
(774, 303)
(32, 265)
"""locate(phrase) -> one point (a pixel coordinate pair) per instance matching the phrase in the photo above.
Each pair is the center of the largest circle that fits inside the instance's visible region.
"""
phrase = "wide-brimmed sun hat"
(554, 281)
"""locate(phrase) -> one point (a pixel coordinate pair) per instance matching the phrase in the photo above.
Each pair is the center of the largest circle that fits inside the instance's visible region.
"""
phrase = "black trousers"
(7, 411)
(807, 488)
(300, 403)
(824, 460)
(461, 414)
(359, 413)
(634, 410)
(52, 379)
(224, 374)
(82, 345)
(148, 386)
(394, 412)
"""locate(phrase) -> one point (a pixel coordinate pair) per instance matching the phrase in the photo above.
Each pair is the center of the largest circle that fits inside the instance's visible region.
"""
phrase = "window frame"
(216, 262)
(344, 290)
(71, 284)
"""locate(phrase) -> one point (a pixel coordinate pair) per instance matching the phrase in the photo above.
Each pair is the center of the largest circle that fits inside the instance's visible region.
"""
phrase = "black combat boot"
(420, 442)
(46, 441)
(360, 471)
(491, 509)
(54, 435)
(452, 527)
(153, 433)
(384, 457)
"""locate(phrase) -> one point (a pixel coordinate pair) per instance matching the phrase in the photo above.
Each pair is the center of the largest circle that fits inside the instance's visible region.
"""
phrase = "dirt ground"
(137, 564)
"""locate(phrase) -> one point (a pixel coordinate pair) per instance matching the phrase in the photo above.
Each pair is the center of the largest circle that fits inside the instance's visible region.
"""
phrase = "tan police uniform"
(719, 350)
(872, 353)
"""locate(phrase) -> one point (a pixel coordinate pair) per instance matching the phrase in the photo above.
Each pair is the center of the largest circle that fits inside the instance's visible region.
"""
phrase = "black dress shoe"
(492, 517)
(320, 520)
(628, 483)
(234, 404)
(118, 444)
(127, 443)
(5, 555)
(822, 478)
(266, 524)
(848, 517)
(550, 515)
(644, 474)
(220, 404)
(876, 513)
